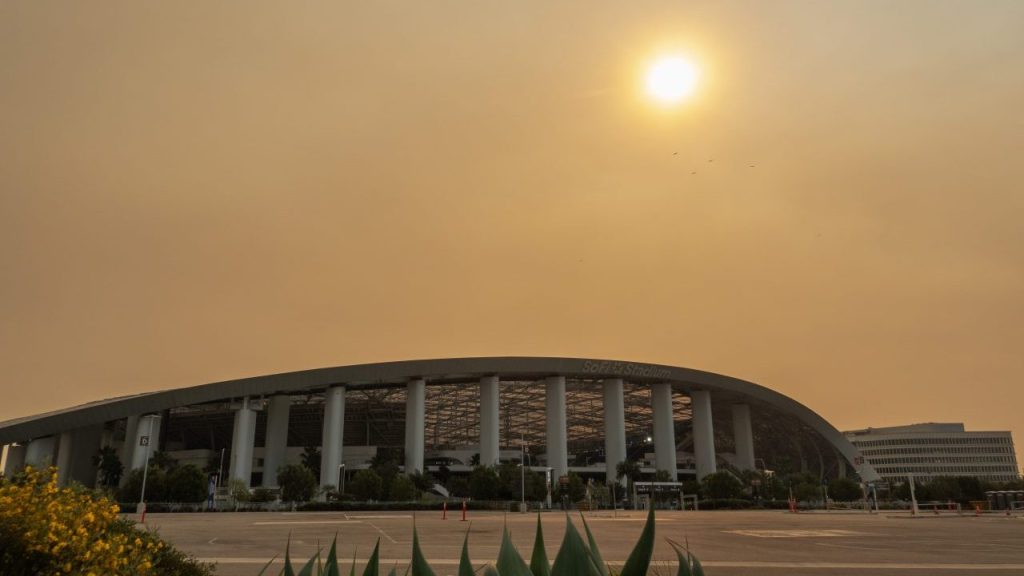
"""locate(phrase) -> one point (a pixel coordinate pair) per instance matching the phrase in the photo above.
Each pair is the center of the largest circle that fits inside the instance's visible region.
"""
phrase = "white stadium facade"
(562, 414)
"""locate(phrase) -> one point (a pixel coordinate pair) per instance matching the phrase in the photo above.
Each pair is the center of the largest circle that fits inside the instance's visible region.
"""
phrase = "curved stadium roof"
(447, 371)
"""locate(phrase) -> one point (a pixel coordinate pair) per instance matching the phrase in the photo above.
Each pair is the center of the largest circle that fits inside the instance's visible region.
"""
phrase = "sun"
(671, 79)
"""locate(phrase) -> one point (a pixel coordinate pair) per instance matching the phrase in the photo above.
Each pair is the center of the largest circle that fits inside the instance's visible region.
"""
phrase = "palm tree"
(628, 470)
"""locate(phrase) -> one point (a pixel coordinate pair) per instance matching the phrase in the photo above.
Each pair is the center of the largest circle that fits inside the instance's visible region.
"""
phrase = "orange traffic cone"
(463, 510)
(444, 512)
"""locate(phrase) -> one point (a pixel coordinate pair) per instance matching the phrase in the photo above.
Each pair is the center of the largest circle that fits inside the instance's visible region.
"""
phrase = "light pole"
(341, 474)
(522, 465)
(145, 468)
(220, 471)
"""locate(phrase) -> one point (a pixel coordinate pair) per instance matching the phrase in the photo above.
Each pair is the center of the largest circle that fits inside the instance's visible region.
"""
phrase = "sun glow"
(671, 79)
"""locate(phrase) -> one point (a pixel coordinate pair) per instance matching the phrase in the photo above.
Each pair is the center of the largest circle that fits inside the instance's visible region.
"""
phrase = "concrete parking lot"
(728, 543)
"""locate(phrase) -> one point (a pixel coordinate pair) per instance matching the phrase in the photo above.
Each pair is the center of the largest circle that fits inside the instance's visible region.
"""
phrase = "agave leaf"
(267, 565)
(595, 553)
(392, 572)
(465, 565)
(490, 571)
(684, 559)
(640, 558)
(698, 570)
(288, 570)
(573, 558)
(373, 564)
(419, 564)
(352, 569)
(510, 563)
(307, 570)
(539, 560)
(332, 559)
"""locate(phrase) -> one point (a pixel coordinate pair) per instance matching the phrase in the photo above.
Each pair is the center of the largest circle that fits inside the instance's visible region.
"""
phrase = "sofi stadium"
(561, 414)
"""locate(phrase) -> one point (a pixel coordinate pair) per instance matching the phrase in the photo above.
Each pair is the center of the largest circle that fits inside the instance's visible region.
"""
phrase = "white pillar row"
(276, 443)
(40, 452)
(556, 436)
(664, 425)
(743, 436)
(614, 428)
(333, 436)
(415, 422)
(489, 421)
(147, 438)
(242, 439)
(65, 446)
(15, 458)
(703, 433)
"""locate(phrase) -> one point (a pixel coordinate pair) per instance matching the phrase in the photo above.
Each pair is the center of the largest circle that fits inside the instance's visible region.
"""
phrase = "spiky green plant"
(574, 558)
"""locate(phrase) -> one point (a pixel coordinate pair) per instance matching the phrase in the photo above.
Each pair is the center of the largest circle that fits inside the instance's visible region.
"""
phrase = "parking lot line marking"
(286, 522)
(379, 516)
(383, 533)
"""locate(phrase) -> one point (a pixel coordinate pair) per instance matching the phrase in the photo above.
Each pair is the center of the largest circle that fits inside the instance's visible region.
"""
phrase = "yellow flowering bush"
(45, 529)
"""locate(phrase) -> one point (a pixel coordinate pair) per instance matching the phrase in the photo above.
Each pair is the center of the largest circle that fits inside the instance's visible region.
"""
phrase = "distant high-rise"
(929, 450)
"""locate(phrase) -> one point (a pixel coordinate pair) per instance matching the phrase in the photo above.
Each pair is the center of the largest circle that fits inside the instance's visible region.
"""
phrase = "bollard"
(463, 510)
(977, 510)
(444, 511)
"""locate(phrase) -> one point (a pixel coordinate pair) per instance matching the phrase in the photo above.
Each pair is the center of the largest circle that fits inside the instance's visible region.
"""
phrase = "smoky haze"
(192, 192)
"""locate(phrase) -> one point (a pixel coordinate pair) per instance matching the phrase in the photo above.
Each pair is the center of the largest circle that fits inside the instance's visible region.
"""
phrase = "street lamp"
(341, 474)
(522, 466)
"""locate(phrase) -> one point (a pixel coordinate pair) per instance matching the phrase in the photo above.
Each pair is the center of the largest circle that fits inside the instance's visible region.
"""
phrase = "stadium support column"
(242, 443)
(614, 428)
(276, 443)
(65, 446)
(556, 438)
(147, 437)
(131, 430)
(333, 438)
(743, 436)
(489, 421)
(703, 433)
(15, 459)
(415, 423)
(663, 417)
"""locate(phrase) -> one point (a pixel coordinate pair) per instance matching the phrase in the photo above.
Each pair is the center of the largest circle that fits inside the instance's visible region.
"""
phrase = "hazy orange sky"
(197, 191)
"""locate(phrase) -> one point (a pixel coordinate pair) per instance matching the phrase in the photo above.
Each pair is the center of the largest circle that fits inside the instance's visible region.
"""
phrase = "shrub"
(721, 485)
(366, 485)
(260, 495)
(45, 529)
(844, 490)
(297, 482)
(186, 484)
(402, 488)
(483, 483)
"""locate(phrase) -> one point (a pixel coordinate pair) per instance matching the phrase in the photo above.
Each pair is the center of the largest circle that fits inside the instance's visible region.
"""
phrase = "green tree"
(163, 460)
(662, 476)
(387, 469)
(576, 490)
(484, 483)
(297, 483)
(844, 490)
(458, 486)
(186, 484)
(239, 490)
(311, 458)
(366, 485)
(109, 465)
(156, 486)
(629, 470)
(721, 485)
(402, 489)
